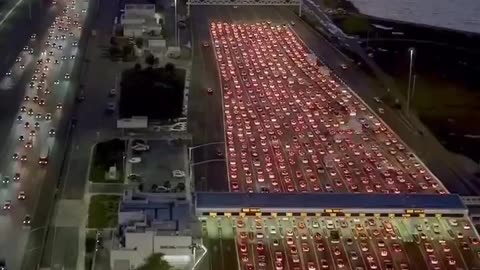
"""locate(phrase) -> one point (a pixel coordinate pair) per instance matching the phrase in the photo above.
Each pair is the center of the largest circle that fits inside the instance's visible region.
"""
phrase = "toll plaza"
(328, 204)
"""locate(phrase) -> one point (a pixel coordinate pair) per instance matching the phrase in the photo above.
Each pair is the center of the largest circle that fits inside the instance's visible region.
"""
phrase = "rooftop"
(328, 200)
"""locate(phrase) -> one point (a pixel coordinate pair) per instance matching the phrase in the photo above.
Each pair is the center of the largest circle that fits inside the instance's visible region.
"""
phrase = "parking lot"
(158, 163)
(340, 243)
(292, 127)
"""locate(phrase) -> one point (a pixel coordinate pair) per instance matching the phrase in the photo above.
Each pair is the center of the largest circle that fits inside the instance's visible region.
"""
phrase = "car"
(33, 36)
(56, 62)
(206, 44)
(16, 177)
(21, 196)
(64, 58)
(29, 145)
(27, 220)
(38, 116)
(23, 158)
(178, 174)
(3, 265)
(209, 91)
(48, 116)
(140, 147)
(59, 106)
(72, 56)
(19, 118)
(381, 110)
(74, 44)
(8, 73)
(30, 112)
(135, 160)
(67, 76)
(21, 138)
(6, 179)
(15, 156)
(110, 107)
(112, 92)
(7, 205)
(22, 66)
(32, 133)
(51, 132)
(41, 102)
(36, 125)
(18, 59)
(134, 177)
(344, 66)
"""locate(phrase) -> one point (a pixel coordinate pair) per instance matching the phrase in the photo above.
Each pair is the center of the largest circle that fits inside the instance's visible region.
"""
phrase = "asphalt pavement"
(204, 75)
(448, 168)
(25, 242)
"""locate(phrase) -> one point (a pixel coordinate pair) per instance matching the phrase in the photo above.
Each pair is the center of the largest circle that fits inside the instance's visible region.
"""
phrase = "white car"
(178, 173)
(381, 110)
(112, 92)
(141, 147)
(135, 160)
(67, 76)
(21, 196)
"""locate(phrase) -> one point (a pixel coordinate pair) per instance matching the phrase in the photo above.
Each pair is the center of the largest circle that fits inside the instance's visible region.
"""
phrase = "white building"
(141, 242)
(140, 19)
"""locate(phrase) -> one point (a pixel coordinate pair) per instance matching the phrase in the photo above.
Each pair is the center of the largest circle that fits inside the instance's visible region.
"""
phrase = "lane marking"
(10, 12)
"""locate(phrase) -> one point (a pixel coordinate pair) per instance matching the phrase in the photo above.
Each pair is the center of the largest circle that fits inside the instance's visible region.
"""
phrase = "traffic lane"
(204, 108)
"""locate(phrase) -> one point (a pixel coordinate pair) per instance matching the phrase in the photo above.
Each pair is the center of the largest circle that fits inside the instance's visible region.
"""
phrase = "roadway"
(411, 130)
(35, 180)
(210, 125)
(340, 243)
(97, 77)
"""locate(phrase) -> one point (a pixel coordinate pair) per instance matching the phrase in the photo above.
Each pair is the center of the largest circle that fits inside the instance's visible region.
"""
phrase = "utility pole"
(409, 88)
(300, 8)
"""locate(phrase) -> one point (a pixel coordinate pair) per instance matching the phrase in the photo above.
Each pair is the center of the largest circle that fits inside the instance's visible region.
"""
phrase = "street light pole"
(176, 24)
(412, 52)
(300, 9)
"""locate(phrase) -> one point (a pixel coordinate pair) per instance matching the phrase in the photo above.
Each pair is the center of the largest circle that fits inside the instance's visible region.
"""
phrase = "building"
(152, 223)
(139, 20)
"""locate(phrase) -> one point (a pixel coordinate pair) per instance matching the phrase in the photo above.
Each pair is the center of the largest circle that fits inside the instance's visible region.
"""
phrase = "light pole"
(176, 24)
(412, 53)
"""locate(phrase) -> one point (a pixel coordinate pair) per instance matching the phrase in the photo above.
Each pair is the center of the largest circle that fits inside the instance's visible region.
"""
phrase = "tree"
(127, 50)
(139, 42)
(355, 25)
(150, 59)
(167, 184)
(180, 187)
(155, 262)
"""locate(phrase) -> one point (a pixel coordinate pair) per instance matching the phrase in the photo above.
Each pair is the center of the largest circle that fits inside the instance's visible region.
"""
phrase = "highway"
(43, 85)
(208, 127)
(284, 107)
(340, 243)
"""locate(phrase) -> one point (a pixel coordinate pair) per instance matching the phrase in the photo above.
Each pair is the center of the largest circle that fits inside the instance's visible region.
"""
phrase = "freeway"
(41, 76)
(453, 175)
(340, 243)
(387, 147)
(209, 124)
